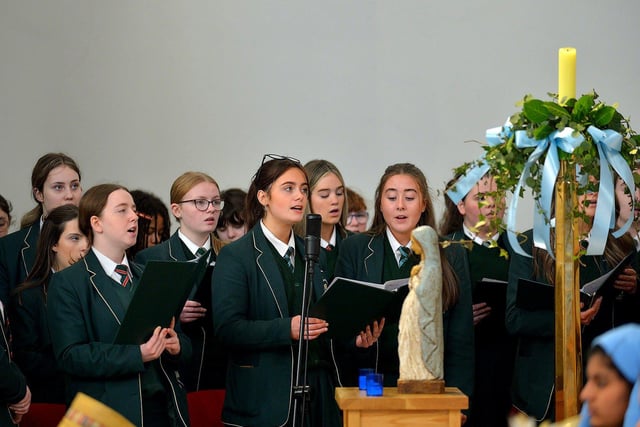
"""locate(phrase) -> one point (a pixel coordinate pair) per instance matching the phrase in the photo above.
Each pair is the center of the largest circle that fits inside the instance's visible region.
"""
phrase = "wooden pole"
(568, 347)
(568, 358)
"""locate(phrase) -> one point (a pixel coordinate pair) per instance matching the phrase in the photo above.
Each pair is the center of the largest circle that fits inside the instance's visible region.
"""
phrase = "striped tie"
(123, 271)
(287, 257)
(200, 252)
(404, 255)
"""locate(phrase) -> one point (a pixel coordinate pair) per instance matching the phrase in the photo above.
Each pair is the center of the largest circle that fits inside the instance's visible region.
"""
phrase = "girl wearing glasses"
(5, 216)
(403, 203)
(85, 307)
(55, 181)
(196, 205)
(358, 216)
(327, 198)
(61, 244)
(257, 300)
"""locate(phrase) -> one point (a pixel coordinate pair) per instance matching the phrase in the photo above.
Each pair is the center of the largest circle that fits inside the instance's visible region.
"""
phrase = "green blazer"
(13, 385)
(207, 368)
(17, 255)
(84, 315)
(494, 347)
(361, 258)
(533, 377)
(32, 346)
(328, 259)
(534, 367)
(251, 317)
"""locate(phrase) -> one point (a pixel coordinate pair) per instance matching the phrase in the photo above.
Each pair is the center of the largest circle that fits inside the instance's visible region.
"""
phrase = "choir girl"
(327, 198)
(257, 301)
(472, 207)
(357, 216)
(5, 216)
(402, 203)
(55, 181)
(61, 244)
(533, 376)
(85, 306)
(196, 205)
(231, 224)
(154, 224)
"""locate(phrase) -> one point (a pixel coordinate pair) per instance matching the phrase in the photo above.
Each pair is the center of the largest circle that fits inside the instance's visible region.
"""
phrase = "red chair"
(44, 415)
(205, 408)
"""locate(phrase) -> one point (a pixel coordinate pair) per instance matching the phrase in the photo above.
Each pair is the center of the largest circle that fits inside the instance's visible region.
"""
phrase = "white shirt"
(332, 240)
(192, 246)
(109, 266)
(477, 239)
(280, 246)
(395, 245)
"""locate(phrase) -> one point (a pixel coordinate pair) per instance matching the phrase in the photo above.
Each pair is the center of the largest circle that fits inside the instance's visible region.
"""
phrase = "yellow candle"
(566, 74)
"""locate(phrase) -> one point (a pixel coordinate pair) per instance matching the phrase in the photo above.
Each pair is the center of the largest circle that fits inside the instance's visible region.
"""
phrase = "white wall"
(140, 91)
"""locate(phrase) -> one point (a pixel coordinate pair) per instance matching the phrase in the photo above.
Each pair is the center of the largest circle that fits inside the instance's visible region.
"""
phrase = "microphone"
(312, 239)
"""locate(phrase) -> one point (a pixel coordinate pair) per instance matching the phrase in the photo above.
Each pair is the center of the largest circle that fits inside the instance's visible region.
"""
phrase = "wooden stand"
(433, 410)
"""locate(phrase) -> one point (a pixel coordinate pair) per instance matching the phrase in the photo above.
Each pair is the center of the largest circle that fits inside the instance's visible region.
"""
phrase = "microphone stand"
(300, 388)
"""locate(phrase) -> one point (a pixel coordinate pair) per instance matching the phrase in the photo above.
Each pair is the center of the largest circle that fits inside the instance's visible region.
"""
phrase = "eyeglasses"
(359, 217)
(269, 157)
(277, 157)
(203, 204)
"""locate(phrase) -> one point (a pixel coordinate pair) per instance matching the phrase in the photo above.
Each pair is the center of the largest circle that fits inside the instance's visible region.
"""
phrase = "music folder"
(491, 291)
(160, 295)
(533, 295)
(350, 305)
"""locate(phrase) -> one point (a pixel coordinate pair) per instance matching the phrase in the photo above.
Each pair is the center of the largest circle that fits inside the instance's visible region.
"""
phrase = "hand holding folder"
(160, 296)
(534, 295)
(350, 305)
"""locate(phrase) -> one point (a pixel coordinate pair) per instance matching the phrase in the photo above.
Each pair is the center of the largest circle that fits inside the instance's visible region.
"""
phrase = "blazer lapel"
(268, 268)
(374, 259)
(176, 253)
(27, 254)
(104, 286)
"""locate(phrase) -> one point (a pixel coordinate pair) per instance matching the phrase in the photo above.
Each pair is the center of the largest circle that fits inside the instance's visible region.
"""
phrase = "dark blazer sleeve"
(458, 328)
(241, 302)
(520, 322)
(75, 332)
(350, 263)
(13, 385)
(31, 337)
(4, 272)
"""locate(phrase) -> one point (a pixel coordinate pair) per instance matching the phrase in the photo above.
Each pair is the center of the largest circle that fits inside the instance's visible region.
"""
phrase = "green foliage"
(541, 118)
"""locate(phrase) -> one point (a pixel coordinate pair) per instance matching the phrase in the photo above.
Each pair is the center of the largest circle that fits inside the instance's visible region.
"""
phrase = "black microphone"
(312, 239)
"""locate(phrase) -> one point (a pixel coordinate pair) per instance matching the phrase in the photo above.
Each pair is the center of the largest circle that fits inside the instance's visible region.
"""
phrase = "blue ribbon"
(609, 143)
(467, 181)
(464, 184)
(498, 135)
(558, 140)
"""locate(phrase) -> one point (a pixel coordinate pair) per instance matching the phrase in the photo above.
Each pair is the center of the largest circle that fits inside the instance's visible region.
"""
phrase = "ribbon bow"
(558, 140)
(494, 136)
(609, 143)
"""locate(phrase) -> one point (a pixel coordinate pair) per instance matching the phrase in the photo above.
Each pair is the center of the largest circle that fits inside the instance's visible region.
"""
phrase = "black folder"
(350, 305)
(534, 295)
(491, 291)
(160, 295)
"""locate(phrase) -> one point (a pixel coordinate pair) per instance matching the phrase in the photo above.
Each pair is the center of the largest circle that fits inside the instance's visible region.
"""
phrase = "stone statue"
(420, 340)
